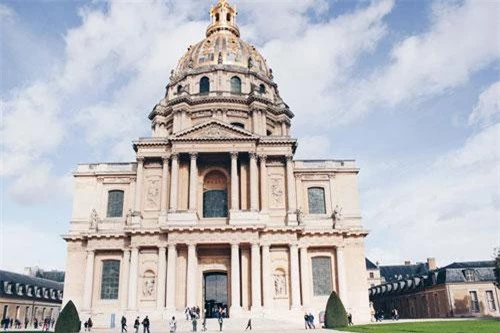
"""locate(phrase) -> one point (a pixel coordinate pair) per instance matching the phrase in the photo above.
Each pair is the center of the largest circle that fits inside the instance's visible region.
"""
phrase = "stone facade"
(216, 192)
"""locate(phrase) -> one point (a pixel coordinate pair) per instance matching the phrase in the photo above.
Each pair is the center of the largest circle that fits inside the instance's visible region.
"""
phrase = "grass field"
(460, 326)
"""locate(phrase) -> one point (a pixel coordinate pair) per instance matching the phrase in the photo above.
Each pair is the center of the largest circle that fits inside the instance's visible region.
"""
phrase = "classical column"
(174, 182)
(266, 276)
(256, 302)
(164, 186)
(254, 186)
(162, 274)
(255, 121)
(234, 181)
(304, 276)
(235, 277)
(192, 263)
(263, 183)
(171, 271)
(283, 128)
(132, 287)
(290, 185)
(294, 276)
(341, 276)
(89, 279)
(138, 185)
(193, 181)
(124, 280)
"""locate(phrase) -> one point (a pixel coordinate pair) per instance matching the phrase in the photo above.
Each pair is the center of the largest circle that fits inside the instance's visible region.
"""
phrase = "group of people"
(88, 325)
(137, 324)
(17, 324)
(309, 321)
(379, 315)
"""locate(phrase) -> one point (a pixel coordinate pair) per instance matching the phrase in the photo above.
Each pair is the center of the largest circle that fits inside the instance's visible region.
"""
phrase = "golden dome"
(222, 46)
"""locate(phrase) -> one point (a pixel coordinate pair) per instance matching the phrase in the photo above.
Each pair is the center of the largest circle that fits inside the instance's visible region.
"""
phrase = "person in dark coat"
(145, 324)
(124, 324)
(137, 323)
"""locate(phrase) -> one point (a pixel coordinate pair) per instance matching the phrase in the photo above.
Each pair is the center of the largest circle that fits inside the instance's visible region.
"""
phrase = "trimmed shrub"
(68, 321)
(335, 314)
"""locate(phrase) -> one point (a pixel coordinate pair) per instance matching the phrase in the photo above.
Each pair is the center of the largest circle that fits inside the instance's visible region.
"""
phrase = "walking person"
(124, 324)
(137, 323)
(89, 324)
(349, 319)
(145, 325)
(306, 321)
(311, 321)
(249, 324)
(173, 325)
(221, 321)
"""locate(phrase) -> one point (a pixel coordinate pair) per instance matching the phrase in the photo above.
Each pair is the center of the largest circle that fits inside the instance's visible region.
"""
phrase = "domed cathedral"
(215, 213)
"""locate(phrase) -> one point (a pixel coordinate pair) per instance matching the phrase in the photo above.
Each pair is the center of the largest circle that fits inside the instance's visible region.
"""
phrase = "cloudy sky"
(410, 89)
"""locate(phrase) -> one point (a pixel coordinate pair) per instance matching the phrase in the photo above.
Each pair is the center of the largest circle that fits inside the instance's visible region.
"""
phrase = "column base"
(182, 218)
(237, 217)
(291, 219)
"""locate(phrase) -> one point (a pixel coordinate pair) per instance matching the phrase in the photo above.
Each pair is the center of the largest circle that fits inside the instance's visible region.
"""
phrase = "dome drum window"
(235, 85)
(204, 85)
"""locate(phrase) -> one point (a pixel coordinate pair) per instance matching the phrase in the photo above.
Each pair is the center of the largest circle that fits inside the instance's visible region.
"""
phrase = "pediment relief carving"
(213, 130)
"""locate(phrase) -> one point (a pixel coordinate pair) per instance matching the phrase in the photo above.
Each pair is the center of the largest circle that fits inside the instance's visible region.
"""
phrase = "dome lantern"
(223, 17)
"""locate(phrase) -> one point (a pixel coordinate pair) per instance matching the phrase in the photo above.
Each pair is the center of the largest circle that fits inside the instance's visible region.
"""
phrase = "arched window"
(204, 85)
(240, 125)
(110, 279)
(115, 204)
(217, 17)
(228, 17)
(179, 89)
(262, 89)
(236, 85)
(215, 195)
(322, 275)
(316, 200)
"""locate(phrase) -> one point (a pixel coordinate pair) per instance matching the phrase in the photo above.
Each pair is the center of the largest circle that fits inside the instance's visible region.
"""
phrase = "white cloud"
(449, 208)
(487, 109)
(460, 42)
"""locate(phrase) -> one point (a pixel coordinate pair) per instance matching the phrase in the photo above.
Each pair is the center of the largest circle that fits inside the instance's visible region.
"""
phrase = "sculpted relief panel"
(153, 184)
(276, 191)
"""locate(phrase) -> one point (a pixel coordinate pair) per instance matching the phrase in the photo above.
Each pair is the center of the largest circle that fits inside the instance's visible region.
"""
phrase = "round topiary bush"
(68, 321)
(335, 314)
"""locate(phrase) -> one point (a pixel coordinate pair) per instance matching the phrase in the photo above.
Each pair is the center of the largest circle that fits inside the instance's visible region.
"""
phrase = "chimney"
(431, 263)
(407, 262)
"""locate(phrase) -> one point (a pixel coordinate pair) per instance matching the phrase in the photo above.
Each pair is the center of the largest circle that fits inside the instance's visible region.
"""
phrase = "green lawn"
(462, 326)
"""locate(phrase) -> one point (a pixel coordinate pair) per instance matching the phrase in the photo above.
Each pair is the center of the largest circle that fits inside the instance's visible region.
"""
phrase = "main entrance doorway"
(215, 293)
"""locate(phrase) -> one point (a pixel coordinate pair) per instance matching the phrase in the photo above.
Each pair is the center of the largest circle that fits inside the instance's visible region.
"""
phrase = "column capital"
(235, 244)
(262, 157)
(191, 244)
(289, 158)
(295, 245)
(265, 245)
(304, 246)
(90, 251)
(162, 247)
(234, 154)
(193, 155)
(171, 245)
(140, 159)
(165, 159)
(252, 155)
(174, 156)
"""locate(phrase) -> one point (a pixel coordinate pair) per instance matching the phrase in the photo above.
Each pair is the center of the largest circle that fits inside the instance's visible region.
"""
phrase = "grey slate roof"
(399, 272)
(483, 271)
(14, 285)
(369, 264)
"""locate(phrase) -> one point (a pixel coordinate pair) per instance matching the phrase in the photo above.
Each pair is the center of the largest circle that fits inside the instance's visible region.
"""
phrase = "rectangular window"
(474, 303)
(322, 276)
(372, 275)
(110, 279)
(115, 204)
(316, 200)
(490, 300)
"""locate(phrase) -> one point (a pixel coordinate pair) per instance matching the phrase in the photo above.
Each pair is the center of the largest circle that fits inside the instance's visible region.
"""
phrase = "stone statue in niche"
(336, 216)
(276, 192)
(128, 217)
(279, 285)
(300, 215)
(148, 289)
(94, 219)
(153, 193)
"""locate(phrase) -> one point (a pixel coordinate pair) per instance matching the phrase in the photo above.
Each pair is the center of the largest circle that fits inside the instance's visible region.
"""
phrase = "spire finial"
(223, 18)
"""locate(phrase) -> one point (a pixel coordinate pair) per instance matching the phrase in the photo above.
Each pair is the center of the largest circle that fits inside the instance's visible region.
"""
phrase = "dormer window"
(240, 125)
(469, 275)
(262, 89)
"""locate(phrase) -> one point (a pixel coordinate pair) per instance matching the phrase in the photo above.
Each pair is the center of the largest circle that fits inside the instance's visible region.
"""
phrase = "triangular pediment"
(214, 130)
